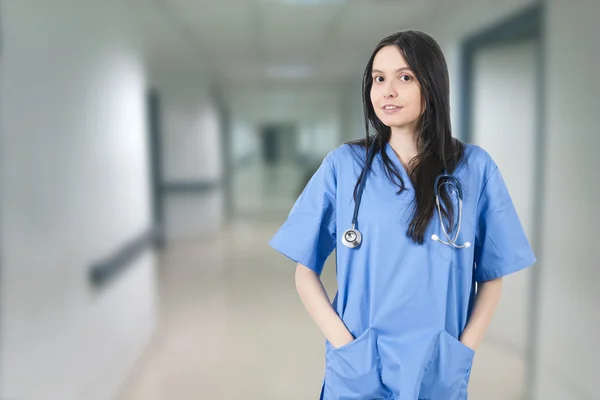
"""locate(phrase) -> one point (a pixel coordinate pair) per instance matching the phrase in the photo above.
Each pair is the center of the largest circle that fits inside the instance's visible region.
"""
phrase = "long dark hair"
(437, 149)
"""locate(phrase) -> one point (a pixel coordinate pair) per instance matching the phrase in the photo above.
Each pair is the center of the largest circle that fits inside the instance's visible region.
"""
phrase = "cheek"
(414, 98)
(414, 102)
(375, 102)
(374, 98)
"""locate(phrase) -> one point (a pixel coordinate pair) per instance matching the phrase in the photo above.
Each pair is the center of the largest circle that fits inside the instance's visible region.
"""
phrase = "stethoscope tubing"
(353, 238)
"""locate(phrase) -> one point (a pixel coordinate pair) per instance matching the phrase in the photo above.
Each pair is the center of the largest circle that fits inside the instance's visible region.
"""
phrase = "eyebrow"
(398, 70)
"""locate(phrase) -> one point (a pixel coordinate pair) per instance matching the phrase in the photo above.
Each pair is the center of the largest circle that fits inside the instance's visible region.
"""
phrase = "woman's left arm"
(488, 296)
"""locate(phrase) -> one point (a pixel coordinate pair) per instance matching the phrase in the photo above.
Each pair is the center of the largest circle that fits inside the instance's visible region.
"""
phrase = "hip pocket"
(447, 374)
(353, 370)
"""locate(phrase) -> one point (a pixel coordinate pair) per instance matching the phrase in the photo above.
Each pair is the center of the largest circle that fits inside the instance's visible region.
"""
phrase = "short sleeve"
(501, 246)
(308, 235)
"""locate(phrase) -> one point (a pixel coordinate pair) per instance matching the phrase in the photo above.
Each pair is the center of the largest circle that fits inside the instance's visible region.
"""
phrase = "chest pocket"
(448, 252)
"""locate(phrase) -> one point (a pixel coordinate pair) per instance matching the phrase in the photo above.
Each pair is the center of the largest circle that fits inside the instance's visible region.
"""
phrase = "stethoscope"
(352, 237)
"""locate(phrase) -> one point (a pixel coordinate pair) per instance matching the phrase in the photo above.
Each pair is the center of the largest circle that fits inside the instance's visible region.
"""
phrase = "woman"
(407, 319)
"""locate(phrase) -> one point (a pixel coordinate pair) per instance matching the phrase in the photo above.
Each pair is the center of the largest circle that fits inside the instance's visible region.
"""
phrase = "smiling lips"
(390, 108)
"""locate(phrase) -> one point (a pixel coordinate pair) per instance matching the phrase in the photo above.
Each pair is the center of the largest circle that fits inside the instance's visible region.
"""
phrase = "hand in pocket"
(342, 341)
(353, 370)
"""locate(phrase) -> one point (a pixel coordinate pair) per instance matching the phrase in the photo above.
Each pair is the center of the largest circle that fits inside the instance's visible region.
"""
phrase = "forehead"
(389, 58)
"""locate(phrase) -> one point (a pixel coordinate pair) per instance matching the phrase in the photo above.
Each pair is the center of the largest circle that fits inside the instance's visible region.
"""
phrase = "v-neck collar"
(396, 160)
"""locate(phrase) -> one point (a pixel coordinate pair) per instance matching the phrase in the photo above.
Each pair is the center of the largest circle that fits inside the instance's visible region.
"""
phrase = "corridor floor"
(231, 326)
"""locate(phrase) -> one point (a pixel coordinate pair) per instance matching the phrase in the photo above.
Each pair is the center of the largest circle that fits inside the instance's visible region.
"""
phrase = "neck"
(403, 141)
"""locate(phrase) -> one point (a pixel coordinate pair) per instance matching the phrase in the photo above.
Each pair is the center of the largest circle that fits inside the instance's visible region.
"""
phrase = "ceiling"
(260, 41)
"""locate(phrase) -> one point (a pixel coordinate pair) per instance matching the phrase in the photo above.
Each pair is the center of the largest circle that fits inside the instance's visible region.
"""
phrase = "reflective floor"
(232, 327)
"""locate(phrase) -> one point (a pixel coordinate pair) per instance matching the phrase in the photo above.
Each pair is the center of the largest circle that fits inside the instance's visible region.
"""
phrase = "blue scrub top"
(405, 304)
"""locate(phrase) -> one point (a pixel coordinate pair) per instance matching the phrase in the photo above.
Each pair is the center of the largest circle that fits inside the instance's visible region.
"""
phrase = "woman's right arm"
(317, 304)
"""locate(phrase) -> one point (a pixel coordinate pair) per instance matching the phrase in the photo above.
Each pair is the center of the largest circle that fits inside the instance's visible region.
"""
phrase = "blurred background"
(149, 149)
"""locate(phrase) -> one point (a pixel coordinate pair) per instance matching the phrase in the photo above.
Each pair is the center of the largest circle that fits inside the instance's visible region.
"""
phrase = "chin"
(387, 121)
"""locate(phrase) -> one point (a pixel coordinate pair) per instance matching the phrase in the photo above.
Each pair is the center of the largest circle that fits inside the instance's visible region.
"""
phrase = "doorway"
(279, 155)
(501, 110)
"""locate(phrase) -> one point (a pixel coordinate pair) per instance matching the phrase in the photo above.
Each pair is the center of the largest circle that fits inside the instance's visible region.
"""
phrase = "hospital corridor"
(239, 316)
(151, 149)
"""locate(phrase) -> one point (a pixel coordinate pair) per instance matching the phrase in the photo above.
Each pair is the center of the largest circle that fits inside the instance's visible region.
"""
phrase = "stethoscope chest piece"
(352, 238)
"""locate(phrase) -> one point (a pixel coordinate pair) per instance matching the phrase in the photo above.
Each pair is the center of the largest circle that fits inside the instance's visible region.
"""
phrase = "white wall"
(246, 179)
(318, 137)
(569, 320)
(191, 152)
(75, 187)
(244, 141)
(352, 119)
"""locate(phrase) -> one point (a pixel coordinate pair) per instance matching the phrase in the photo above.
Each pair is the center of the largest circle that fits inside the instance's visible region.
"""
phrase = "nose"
(389, 92)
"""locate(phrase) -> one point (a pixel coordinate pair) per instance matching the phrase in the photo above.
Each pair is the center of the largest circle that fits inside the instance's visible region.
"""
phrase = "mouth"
(391, 108)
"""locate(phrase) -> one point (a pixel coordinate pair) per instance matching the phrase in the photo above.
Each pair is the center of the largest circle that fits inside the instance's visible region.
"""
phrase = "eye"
(405, 78)
(376, 79)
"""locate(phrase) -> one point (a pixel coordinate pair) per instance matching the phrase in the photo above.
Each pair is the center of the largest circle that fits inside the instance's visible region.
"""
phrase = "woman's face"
(395, 93)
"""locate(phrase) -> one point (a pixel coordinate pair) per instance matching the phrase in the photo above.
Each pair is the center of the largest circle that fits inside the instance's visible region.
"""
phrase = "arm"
(501, 248)
(315, 300)
(488, 296)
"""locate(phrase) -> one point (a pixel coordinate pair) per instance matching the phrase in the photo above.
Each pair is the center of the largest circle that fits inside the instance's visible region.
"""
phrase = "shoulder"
(479, 160)
(476, 169)
(344, 154)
